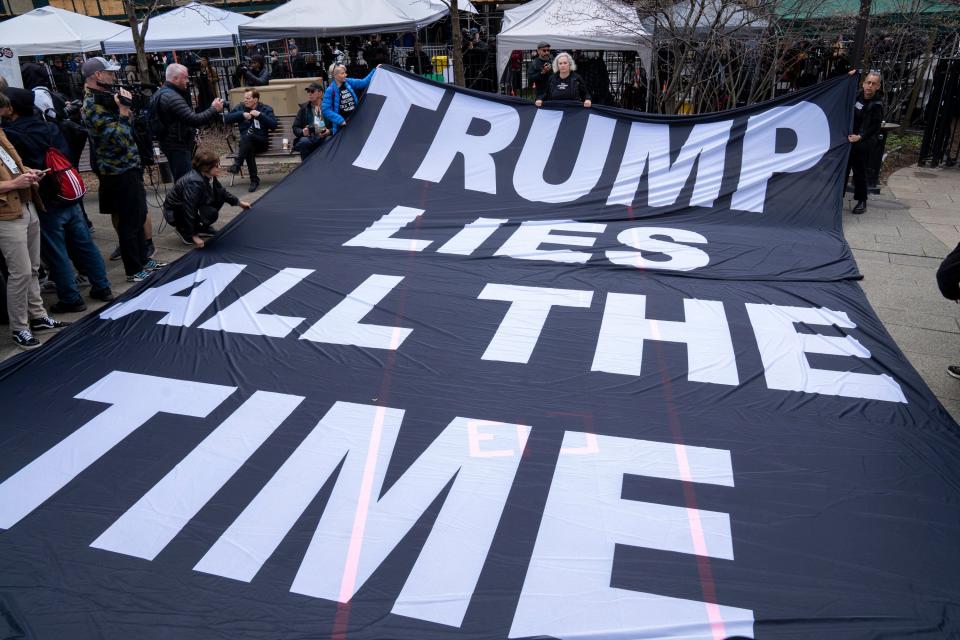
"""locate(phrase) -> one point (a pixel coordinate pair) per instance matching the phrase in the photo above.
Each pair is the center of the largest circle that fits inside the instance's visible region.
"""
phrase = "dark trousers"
(200, 222)
(179, 159)
(859, 155)
(123, 195)
(64, 236)
(307, 145)
(250, 146)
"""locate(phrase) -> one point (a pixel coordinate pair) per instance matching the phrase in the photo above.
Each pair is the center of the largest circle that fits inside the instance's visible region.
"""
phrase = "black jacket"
(180, 121)
(535, 76)
(948, 275)
(303, 118)
(267, 120)
(195, 202)
(253, 79)
(573, 88)
(867, 117)
(31, 136)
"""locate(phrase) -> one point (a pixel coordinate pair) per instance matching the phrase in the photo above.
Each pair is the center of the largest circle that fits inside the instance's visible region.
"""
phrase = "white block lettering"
(341, 325)
(134, 399)
(625, 327)
(243, 316)
(379, 235)
(518, 333)
(681, 257)
(452, 139)
(525, 242)
(783, 352)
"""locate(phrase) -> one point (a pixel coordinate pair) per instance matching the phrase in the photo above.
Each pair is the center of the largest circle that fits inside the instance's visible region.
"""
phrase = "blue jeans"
(63, 228)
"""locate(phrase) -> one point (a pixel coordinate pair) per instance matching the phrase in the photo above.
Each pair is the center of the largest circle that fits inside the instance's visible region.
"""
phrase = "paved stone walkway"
(898, 244)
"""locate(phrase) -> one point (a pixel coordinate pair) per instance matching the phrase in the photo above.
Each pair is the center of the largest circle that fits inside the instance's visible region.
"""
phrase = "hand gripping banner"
(482, 370)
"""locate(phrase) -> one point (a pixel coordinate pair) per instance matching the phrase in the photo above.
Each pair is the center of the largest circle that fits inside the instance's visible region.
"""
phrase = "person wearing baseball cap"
(97, 64)
(538, 73)
(309, 129)
(109, 124)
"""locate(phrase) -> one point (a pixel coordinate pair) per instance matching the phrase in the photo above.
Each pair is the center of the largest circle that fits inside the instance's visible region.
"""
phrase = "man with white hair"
(177, 125)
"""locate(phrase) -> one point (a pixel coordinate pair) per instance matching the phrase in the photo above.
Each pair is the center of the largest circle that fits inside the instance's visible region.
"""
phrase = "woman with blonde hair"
(564, 84)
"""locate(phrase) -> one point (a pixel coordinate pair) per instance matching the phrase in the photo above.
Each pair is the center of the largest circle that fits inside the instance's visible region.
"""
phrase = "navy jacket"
(268, 121)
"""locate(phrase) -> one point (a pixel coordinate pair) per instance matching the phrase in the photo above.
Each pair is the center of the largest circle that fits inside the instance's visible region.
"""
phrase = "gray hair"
(175, 70)
(875, 73)
(333, 68)
(564, 54)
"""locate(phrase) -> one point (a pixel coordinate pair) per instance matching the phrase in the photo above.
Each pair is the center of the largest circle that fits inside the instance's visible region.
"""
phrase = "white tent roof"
(345, 17)
(193, 26)
(49, 30)
(570, 24)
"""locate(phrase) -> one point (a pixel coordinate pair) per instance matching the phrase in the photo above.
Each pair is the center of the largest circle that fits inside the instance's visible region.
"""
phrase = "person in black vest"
(179, 121)
(564, 84)
(194, 202)
(309, 129)
(254, 119)
(867, 118)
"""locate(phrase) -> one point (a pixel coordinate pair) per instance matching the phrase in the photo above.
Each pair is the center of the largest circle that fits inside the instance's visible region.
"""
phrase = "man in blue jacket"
(254, 119)
(340, 99)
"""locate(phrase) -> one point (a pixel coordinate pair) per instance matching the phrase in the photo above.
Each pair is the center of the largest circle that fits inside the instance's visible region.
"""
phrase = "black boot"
(860, 208)
(234, 169)
(254, 184)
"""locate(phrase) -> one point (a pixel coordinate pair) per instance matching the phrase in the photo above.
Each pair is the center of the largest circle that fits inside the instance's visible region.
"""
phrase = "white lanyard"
(8, 160)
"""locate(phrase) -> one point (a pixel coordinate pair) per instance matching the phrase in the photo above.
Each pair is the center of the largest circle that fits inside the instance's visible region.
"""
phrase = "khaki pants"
(20, 245)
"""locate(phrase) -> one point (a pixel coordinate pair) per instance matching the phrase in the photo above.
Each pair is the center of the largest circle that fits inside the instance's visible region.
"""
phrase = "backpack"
(158, 128)
(64, 178)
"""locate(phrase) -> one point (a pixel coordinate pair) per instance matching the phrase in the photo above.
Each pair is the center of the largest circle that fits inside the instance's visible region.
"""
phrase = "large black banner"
(482, 370)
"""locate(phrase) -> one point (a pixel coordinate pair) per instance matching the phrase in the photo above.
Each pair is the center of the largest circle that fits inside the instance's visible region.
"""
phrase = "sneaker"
(151, 249)
(106, 295)
(25, 340)
(46, 323)
(184, 239)
(139, 277)
(209, 231)
(68, 307)
(115, 255)
(82, 281)
(47, 286)
(153, 265)
(954, 371)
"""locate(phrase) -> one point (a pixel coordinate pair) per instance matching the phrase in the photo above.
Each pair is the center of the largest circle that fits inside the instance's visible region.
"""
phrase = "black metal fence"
(941, 133)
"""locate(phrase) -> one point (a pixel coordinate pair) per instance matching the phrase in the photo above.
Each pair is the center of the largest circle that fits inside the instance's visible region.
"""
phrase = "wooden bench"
(274, 142)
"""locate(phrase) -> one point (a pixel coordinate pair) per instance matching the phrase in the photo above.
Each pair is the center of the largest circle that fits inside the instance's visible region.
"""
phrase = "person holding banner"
(340, 99)
(194, 203)
(309, 129)
(867, 119)
(563, 83)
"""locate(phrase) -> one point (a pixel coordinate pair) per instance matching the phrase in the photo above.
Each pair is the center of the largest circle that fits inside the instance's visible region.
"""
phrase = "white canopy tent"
(572, 24)
(324, 18)
(49, 30)
(192, 26)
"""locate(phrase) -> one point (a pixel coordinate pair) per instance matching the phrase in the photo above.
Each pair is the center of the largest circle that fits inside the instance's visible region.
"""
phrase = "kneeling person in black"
(194, 203)
(254, 119)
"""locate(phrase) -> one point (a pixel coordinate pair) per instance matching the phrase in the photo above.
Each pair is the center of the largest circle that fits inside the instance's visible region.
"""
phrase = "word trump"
(624, 331)
(362, 524)
(647, 149)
